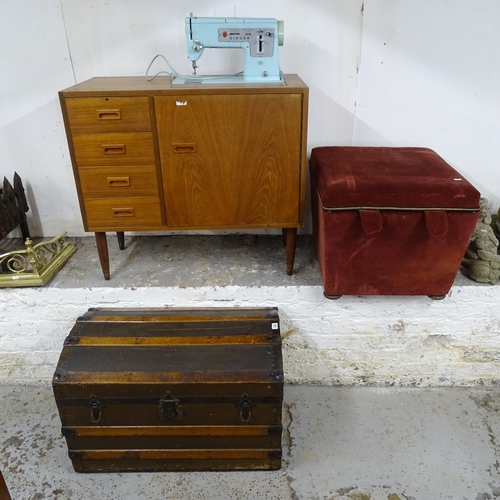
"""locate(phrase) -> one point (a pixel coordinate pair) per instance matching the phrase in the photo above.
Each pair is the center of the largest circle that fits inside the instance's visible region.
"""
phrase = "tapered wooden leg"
(102, 250)
(4, 492)
(291, 242)
(121, 240)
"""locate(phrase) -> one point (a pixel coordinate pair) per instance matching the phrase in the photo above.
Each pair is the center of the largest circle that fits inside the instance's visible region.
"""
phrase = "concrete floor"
(187, 261)
(339, 443)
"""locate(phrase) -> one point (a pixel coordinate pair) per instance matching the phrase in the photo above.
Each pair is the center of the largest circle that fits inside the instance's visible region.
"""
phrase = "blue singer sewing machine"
(259, 39)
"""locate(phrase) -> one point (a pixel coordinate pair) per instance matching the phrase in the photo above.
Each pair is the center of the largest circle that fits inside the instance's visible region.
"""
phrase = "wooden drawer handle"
(123, 212)
(109, 114)
(118, 181)
(183, 148)
(114, 149)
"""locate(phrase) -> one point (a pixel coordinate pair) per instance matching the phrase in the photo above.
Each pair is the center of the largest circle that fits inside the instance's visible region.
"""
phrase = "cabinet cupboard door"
(230, 160)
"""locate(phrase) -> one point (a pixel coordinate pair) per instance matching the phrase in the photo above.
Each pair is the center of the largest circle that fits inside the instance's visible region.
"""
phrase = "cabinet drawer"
(123, 148)
(116, 213)
(119, 181)
(103, 114)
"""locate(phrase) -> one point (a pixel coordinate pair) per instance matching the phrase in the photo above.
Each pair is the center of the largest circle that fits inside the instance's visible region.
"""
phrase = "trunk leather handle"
(109, 114)
(371, 220)
(118, 181)
(436, 222)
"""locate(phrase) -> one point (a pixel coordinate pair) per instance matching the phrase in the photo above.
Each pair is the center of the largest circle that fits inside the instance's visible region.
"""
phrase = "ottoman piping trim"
(401, 209)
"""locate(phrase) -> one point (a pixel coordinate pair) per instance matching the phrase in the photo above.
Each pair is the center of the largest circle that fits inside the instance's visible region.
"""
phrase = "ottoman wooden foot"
(332, 297)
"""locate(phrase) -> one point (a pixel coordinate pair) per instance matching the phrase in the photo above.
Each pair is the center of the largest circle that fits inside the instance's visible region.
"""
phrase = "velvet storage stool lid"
(389, 221)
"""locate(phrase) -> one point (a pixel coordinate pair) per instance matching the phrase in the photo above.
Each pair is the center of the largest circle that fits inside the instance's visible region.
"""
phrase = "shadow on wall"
(36, 148)
(334, 124)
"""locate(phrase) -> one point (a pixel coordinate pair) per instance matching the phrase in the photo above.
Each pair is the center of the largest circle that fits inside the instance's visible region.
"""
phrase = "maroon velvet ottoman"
(389, 221)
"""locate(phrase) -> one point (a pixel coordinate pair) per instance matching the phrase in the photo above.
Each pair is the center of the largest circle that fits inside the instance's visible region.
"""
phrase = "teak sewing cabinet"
(153, 156)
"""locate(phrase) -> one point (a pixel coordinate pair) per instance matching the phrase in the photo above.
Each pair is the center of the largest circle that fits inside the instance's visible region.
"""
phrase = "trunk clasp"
(245, 406)
(169, 408)
(95, 409)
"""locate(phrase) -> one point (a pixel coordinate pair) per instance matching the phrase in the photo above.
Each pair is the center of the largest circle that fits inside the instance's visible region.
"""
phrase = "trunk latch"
(95, 409)
(169, 408)
(245, 406)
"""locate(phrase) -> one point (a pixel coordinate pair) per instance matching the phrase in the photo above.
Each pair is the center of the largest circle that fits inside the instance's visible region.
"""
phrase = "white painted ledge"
(377, 341)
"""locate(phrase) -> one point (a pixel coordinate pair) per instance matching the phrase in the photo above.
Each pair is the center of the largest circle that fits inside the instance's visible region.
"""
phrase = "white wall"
(430, 73)
(34, 65)
(380, 72)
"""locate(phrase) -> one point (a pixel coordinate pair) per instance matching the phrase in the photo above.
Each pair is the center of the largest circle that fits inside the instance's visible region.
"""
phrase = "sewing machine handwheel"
(281, 33)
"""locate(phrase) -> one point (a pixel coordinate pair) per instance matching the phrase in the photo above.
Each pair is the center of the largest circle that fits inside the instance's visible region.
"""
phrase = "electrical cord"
(174, 74)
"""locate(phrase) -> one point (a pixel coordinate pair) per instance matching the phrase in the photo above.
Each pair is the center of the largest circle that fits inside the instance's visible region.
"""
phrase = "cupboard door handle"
(123, 212)
(109, 114)
(114, 149)
(183, 148)
(118, 181)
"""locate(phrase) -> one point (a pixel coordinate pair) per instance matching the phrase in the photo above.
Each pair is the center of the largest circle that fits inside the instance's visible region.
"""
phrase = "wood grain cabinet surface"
(150, 156)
